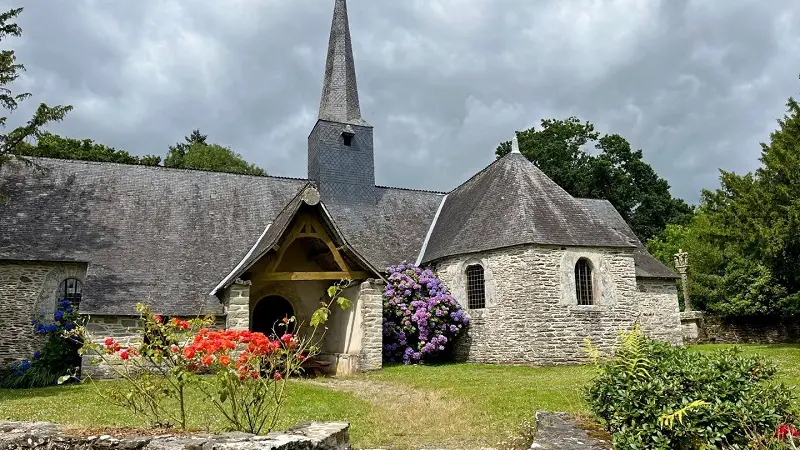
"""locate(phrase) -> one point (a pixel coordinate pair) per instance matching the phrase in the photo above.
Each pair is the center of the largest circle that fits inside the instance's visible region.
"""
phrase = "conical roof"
(339, 101)
(512, 202)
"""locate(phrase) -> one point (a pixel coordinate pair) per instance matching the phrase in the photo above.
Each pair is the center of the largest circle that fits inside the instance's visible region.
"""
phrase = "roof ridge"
(160, 167)
(411, 189)
(478, 173)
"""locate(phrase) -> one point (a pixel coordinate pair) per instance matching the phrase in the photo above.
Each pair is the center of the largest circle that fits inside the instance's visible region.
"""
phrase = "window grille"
(583, 282)
(71, 289)
(476, 287)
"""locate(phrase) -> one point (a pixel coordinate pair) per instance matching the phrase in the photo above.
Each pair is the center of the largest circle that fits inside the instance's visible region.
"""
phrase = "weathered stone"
(28, 289)
(766, 330)
(532, 316)
(48, 436)
(557, 431)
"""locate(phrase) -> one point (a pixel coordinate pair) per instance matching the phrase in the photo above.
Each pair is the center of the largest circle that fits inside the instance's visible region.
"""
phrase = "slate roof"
(149, 234)
(647, 266)
(512, 202)
(169, 236)
(392, 230)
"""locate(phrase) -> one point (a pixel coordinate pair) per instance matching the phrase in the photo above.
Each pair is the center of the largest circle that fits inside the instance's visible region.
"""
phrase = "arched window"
(70, 289)
(476, 287)
(584, 289)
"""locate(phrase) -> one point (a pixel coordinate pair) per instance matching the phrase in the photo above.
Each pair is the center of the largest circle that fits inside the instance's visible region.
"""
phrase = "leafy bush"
(248, 370)
(654, 395)
(57, 357)
(421, 320)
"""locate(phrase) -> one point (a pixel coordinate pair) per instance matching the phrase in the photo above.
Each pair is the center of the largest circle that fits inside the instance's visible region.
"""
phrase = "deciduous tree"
(196, 153)
(615, 172)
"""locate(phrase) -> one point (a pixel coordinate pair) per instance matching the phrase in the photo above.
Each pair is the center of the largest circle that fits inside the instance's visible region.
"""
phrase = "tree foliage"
(196, 153)
(54, 146)
(10, 71)
(744, 243)
(615, 173)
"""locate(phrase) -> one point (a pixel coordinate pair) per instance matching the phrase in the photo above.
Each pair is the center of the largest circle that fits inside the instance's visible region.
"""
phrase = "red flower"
(784, 430)
(175, 349)
(285, 320)
(286, 338)
(278, 376)
(109, 342)
(123, 354)
(188, 352)
(225, 360)
(207, 360)
(158, 318)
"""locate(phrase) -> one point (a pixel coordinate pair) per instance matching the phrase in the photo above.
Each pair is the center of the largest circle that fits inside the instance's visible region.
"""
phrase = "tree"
(10, 70)
(54, 146)
(196, 153)
(616, 173)
(178, 151)
(744, 243)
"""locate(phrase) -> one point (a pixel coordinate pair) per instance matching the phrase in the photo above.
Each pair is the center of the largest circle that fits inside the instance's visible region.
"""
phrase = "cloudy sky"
(695, 84)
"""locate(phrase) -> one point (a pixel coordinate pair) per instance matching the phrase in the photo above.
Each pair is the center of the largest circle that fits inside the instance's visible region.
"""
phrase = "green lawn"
(448, 406)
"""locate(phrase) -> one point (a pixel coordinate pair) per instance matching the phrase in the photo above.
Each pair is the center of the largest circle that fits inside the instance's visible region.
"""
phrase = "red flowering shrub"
(247, 371)
(154, 366)
(248, 367)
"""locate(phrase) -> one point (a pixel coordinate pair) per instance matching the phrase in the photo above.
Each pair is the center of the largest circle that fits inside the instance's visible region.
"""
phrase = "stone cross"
(515, 145)
(682, 264)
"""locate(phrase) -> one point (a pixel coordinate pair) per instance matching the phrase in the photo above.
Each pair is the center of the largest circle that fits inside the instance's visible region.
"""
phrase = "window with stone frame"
(584, 288)
(476, 287)
(70, 289)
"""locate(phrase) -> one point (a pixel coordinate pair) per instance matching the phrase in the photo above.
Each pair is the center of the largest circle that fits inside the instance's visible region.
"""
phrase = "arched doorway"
(269, 312)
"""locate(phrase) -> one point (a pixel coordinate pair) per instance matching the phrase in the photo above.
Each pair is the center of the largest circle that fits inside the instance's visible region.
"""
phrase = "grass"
(447, 406)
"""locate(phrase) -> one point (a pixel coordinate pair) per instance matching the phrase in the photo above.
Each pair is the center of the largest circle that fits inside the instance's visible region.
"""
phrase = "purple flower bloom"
(420, 315)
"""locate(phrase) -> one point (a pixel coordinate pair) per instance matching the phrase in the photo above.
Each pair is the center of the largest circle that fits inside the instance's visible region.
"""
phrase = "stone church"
(537, 269)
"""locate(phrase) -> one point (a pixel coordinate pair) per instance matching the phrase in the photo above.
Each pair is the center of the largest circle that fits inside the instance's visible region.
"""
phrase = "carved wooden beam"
(309, 276)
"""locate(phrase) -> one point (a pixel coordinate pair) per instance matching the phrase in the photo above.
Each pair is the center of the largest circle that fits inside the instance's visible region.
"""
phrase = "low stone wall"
(49, 436)
(773, 330)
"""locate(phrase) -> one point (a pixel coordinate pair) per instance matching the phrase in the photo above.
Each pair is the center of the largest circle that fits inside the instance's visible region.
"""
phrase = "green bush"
(656, 396)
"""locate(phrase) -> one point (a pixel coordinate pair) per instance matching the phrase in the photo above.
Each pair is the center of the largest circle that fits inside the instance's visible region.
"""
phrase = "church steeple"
(340, 91)
(341, 159)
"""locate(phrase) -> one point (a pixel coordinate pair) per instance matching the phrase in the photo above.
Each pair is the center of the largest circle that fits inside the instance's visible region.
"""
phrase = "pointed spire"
(340, 92)
(515, 144)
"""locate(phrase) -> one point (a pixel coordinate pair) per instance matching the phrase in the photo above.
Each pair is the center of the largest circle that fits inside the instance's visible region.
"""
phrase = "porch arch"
(269, 312)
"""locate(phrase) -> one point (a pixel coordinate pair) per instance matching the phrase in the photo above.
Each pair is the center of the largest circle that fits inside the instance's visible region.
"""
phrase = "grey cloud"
(697, 85)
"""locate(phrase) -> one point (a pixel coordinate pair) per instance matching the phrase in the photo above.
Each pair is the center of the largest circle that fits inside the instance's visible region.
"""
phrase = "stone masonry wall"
(532, 315)
(768, 330)
(27, 289)
(45, 436)
(659, 309)
(371, 302)
(237, 305)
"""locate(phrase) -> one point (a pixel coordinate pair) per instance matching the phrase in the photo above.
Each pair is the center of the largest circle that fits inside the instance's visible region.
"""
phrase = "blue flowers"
(420, 315)
(20, 368)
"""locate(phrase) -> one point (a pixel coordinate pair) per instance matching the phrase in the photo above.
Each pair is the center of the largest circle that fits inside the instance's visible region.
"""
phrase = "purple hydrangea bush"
(421, 320)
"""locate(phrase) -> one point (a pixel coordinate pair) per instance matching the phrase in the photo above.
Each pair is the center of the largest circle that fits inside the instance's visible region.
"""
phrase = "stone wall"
(659, 311)
(28, 289)
(371, 311)
(532, 315)
(770, 330)
(49, 436)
